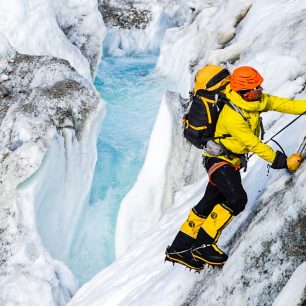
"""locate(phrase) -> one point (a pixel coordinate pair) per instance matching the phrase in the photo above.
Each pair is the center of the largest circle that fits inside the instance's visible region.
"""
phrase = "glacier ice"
(72, 30)
(53, 110)
(260, 239)
(133, 38)
(50, 116)
(48, 134)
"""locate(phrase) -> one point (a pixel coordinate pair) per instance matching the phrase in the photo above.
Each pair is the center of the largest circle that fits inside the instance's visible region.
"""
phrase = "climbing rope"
(285, 127)
(271, 139)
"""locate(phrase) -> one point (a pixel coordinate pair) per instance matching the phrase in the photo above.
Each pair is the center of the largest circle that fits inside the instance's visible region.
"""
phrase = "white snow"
(207, 32)
(47, 156)
(60, 189)
(38, 28)
(294, 291)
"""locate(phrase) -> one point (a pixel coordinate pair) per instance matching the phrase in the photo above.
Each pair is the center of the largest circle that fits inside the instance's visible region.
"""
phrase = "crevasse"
(133, 95)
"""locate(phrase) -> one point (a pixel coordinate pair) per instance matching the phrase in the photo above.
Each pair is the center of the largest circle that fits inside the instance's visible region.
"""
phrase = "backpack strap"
(232, 106)
(187, 125)
(237, 109)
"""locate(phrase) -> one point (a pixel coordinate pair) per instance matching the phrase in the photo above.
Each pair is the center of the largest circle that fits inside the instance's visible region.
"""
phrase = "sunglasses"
(257, 88)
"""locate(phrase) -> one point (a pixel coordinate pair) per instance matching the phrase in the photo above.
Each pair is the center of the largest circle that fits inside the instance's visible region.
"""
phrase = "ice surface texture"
(49, 119)
(44, 102)
(72, 30)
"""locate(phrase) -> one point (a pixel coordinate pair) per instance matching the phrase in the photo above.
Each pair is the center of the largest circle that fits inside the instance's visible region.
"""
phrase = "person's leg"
(197, 216)
(180, 249)
(228, 183)
(211, 197)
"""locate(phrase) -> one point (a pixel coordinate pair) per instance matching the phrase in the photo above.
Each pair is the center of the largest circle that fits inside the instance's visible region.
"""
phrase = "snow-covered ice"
(259, 241)
(50, 117)
(135, 40)
(72, 30)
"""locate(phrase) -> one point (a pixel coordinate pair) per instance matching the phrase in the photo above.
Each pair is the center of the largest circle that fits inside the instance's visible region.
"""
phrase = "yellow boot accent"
(218, 219)
(215, 247)
(192, 225)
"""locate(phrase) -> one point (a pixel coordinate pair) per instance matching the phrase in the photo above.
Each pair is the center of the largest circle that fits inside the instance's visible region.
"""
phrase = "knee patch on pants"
(218, 219)
(192, 225)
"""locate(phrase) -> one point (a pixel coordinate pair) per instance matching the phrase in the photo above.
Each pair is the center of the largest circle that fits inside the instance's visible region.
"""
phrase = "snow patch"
(68, 30)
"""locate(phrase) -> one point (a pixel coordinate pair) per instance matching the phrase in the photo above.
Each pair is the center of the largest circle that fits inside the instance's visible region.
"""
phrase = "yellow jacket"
(245, 133)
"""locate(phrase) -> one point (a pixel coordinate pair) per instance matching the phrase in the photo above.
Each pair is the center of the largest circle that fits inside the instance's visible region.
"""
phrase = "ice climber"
(225, 197)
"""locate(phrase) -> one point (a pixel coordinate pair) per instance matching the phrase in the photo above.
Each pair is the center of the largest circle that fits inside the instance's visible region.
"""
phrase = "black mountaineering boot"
(182, 241)
(209, 253)
(184, 257)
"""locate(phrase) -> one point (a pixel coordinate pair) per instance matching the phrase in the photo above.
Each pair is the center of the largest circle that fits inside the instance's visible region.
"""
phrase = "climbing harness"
(216, 166)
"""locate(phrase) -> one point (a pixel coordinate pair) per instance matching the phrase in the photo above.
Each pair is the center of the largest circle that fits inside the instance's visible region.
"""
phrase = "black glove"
(280, 161)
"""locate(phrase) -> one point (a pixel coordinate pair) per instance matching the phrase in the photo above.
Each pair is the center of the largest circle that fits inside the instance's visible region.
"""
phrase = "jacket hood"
(240, 102)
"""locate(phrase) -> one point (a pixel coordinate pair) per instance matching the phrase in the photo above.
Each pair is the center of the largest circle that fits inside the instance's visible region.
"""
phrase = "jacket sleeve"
(283, 105)
(240, 130)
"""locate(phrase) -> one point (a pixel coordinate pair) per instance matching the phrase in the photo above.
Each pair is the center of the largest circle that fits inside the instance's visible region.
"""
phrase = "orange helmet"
(244, 78)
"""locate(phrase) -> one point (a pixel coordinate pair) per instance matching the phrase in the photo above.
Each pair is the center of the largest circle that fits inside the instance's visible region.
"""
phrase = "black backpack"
(206, 105)
(200, 122)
